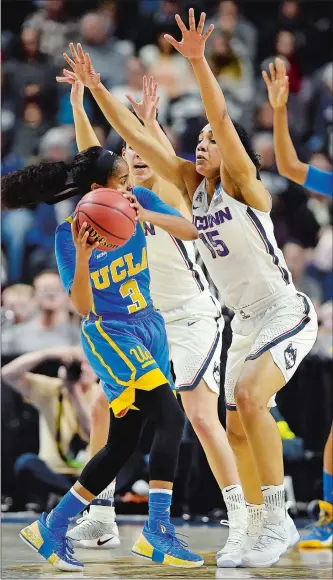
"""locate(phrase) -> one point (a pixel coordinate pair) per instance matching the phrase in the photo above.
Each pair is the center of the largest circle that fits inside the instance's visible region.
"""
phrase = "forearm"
(14, 370)
(81, 291)
(84, 133)
(176, 226)
(287, 160)
(156, 132)
(137, 136)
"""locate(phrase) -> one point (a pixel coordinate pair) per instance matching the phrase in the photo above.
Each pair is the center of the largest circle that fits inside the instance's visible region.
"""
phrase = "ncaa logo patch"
(216, 374)
(290, 355)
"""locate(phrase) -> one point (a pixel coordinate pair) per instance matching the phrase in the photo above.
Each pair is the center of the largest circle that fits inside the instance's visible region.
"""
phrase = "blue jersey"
(319, 181)
(120, 278)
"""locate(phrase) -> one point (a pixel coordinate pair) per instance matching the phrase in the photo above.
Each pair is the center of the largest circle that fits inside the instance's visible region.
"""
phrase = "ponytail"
(53, 182)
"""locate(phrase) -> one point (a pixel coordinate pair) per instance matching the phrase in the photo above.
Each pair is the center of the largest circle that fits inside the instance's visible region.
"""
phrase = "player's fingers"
(155, 87)
(65, 80)
(266, 78)
(69, 61)
(208, 32)
(74, 228)
(80, 52)
(201, 22)
(180, 23)
(172, 40)
(272, 71)
(82, 231)
(95, 245)
(69, 73)
(156, 102)
(191, 19)
(73, 52)
(88, 63)
(84, 239)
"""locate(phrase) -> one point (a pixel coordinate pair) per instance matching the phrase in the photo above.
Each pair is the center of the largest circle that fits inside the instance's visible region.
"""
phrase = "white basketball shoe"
(231, 555)
(274, 540)
(96, 529)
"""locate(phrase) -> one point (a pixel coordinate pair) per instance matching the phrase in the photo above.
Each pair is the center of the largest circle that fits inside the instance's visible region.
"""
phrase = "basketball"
(110, 218)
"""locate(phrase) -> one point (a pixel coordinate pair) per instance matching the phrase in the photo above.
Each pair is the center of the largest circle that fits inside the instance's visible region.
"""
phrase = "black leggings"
(161, 407)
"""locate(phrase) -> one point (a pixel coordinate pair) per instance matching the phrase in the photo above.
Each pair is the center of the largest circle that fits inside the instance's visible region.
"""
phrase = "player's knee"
(100, 410)
(246, 397)
(201, 422)
(236, 436)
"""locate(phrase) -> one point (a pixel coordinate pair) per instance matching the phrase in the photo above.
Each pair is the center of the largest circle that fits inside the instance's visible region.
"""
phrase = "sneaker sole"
(266, 564)
(59, 566)
(228, 563)
(188, 565)
(110, 544)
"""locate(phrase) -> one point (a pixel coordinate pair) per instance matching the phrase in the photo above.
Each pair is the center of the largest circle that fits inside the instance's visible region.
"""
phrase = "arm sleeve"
(149, 200)
(319, 181)
(65, 255)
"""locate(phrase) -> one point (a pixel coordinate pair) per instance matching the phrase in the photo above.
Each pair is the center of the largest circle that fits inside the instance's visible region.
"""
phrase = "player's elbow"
(192, 233)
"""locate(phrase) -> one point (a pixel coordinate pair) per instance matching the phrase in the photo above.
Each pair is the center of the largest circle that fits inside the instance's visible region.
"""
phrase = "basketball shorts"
(127, 353)
(288, 329)
(194, 332)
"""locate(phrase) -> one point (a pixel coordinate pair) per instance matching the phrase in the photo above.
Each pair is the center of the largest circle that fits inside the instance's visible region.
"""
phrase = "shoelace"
(317, 527)
(266, 538)
(235, 535)
(176, 541)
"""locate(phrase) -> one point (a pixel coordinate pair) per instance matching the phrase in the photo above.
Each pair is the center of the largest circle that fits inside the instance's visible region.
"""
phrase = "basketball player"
(193, 322)
(274, 327)
(289, 165)
(120, 327)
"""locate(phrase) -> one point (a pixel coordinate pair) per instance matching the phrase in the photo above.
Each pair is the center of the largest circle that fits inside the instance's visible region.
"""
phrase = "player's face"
(208, 158)
(139, 170)
(121, 180)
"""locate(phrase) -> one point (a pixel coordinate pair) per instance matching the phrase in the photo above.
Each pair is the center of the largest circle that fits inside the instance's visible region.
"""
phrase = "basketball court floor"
(18, 561)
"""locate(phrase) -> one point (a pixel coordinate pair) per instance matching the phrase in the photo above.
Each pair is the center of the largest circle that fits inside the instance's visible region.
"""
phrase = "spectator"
(234, 73)
(64, 412)
(171, 71)
(264, 146)
(32, 72)
(323, 111)
(18, 303)
(285, 47)
(50, 327)
(29, 131)
(102, 48)
(228, 19)
(264, 117)
(55, 29)
(295, 257)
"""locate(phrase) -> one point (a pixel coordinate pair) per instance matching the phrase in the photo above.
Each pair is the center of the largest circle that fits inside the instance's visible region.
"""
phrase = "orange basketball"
(110, 219)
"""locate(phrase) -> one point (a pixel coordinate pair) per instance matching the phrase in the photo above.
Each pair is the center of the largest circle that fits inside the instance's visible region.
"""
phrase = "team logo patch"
(243, 315)
(290, 355)
(198, 200)
(216, 374)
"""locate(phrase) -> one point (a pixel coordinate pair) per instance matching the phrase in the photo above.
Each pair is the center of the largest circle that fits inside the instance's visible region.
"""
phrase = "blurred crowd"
(125, 41)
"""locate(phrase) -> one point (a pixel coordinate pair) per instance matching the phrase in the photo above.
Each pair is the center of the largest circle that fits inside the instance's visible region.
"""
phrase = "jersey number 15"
(214, 245)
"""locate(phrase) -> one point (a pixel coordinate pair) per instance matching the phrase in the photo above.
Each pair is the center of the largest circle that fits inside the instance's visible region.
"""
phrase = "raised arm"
(192, 46)
(84, 133)
(286, 157)
(171, 168)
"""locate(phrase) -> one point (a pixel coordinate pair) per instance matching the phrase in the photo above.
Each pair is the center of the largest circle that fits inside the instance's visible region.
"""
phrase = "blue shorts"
(127, 353)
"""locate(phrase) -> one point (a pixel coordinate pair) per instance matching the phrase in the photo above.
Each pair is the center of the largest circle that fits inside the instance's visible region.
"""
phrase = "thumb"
(67, 80)
(172, 41)
(131, 100)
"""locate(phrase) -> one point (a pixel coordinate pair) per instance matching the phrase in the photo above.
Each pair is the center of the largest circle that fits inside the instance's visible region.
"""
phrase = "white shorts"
(194, 332)
(288, 328)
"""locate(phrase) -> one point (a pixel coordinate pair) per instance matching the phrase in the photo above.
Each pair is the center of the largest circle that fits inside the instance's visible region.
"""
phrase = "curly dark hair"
(47, 182)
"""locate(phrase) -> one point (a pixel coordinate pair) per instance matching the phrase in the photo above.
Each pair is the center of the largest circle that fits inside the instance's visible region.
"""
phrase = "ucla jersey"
(123, 338)
(120, 279)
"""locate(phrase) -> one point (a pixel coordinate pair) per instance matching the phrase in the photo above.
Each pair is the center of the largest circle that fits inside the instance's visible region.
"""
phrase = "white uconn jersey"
(237, 244)
(175, 277)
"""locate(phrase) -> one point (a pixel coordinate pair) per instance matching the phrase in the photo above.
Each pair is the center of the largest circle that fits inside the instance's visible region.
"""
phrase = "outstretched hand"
(146, 109)
(277, 84)
(82, 68)
(192, 44)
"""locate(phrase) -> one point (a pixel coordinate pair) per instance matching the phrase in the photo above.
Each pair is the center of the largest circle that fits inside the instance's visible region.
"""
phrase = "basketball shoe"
(320, 535)
(54, 548)
(96, 529)
(272, 543)
(161, 545)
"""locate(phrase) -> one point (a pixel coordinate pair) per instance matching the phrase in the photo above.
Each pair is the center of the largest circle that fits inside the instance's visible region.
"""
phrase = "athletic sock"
(159, 506)
(328, 487)
(106, 497)
(256, 513)
(235, 503)
(71, 504)
(275, 503)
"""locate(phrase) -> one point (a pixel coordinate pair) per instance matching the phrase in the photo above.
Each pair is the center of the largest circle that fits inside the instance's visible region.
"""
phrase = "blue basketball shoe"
(161, 546)
(320, 534)
(57, 550)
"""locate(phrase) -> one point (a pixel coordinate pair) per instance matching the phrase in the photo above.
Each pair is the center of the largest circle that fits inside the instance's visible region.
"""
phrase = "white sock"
(275, 502)
(106, 494)
(102, 513)
(256, 513)
(235, 501)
